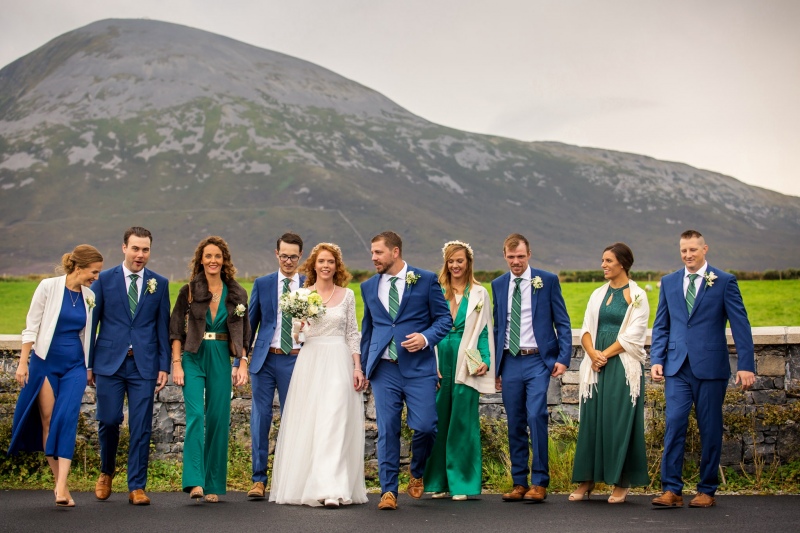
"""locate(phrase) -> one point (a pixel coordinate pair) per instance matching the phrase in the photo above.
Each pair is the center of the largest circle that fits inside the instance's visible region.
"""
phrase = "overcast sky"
(711, 83)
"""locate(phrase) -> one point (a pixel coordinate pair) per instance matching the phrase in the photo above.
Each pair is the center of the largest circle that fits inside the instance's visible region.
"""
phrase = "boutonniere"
(411, 277)
(479, 307)
(637, 301)
(239, 311)
(152, 285)
(710, 278)
(536, 283)
(90, 302)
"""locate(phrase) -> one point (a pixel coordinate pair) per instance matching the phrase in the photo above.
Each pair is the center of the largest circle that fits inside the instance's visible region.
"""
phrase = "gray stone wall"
(761, 424)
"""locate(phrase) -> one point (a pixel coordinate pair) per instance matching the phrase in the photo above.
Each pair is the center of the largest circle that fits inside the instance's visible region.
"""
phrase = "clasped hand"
(598, 360)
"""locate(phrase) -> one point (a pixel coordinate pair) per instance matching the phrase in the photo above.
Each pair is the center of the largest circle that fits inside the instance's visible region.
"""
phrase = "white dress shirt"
(139, 280)
(697, 281)
(526, 338)
(293, 286)
(384, 286)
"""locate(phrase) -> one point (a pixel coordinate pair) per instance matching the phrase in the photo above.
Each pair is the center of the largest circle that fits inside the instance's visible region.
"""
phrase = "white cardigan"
(632, 336)
(476, 320)
(40, 325)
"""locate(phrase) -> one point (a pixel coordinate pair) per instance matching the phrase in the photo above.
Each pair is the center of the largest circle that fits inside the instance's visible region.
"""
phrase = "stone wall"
(761, 425)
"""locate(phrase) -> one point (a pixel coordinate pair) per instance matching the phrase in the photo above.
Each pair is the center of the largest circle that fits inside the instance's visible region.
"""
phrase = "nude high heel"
(618, 499)
(582, 496)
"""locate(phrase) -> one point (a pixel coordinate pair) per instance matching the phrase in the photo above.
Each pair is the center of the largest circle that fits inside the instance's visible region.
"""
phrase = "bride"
(319, 459)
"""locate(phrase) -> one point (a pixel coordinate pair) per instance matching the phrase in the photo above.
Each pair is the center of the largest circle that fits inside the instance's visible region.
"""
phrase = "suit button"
(392, 325)
(688, 325)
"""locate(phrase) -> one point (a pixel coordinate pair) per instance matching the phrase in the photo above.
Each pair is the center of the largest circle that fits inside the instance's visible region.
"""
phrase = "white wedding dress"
(320, 450)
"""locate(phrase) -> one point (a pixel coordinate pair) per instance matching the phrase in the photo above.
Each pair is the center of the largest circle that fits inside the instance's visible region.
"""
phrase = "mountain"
(139, 122)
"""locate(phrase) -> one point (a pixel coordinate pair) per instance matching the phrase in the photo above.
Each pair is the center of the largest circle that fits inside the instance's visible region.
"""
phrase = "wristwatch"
(245, 359)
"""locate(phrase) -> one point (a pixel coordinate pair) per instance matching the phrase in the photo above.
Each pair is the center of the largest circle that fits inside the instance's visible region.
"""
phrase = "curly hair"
(444, 275)
(341, 277)
(196, 264)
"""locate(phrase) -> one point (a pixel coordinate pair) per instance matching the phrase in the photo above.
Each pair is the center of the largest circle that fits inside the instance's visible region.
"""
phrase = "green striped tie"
(133, 293)
(286, 323)
(691, 292)
(394, 305)
(516, 315)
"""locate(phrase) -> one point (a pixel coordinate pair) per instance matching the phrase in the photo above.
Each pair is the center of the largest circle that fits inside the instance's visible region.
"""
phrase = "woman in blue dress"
(52, 365)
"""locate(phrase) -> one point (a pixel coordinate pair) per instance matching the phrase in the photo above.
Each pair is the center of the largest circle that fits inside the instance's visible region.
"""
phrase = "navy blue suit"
(412, 378)
(117, 374)
(268, 371)
(526, 378)
(693, 350)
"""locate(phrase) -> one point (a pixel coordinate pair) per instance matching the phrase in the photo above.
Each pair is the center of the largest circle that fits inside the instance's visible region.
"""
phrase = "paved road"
(170, 512)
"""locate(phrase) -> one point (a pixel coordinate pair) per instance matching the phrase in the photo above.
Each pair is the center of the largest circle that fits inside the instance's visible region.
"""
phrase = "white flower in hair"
(457, 243)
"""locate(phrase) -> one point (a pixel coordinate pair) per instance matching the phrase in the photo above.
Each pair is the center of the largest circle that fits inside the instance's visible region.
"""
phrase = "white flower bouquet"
(302, 305)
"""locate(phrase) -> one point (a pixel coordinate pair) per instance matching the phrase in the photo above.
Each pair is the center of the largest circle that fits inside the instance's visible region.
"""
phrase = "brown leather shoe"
(138, 497)
(536, 494)
(516, 494)
(388, 502)
(259, 491)
(668, 499)
(702, 500)
(102, 489)
(415, 488)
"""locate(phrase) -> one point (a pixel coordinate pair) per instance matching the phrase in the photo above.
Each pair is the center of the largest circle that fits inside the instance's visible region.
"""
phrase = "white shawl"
(479, 316)
(632, 336)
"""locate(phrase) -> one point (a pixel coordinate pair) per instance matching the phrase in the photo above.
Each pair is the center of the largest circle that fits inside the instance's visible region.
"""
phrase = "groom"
(405, 316)
(274, 351)
(130, 356)
(690, 348)
(532, 326)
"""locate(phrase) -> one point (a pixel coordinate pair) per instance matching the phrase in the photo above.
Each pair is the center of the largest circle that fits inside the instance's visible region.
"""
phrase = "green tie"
(691, 292)
(516, 315)
(133, 293)
(286, 323)
(394, 305)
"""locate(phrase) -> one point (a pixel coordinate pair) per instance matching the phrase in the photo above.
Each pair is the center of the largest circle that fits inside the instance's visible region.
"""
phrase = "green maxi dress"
(207, 399)
(611, 447)
(455, 462)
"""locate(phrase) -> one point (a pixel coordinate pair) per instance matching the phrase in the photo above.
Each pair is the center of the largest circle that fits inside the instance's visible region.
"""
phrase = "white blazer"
(40, 325)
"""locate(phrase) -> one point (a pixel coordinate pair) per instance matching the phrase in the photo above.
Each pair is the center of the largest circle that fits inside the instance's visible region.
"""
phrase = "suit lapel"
(677, 292)
(406, 291)
(372, 294)
(534, 295)
(119, 277)
(272, 292)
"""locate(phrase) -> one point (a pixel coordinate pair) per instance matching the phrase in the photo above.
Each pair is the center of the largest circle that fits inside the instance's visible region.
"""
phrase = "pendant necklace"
(325, 302)
(75, 301)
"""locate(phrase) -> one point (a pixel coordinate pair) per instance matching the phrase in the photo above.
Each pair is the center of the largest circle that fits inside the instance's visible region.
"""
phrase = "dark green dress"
(207, 398)
(611, 447)
(455, 462)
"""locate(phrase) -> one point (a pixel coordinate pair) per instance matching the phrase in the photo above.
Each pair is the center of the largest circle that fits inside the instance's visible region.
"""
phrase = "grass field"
(769, 303)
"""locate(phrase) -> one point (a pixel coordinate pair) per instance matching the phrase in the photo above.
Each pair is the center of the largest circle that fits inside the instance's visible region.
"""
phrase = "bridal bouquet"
(302, 305)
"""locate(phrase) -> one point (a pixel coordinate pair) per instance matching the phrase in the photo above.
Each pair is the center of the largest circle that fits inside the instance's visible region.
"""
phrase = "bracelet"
(358, 370)
(176, 361)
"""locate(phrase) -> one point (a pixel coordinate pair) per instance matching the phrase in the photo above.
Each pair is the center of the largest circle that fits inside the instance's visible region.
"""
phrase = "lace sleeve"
(352, 336)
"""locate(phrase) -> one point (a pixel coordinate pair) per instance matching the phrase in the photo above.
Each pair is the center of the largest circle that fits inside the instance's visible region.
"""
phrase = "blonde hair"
(444, 276)
(81, 257)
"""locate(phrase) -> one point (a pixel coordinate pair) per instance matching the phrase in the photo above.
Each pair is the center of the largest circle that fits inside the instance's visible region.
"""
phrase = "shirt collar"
(700, 271)
(525, 275)
(128, 272)
(402, 274)
(295, 277)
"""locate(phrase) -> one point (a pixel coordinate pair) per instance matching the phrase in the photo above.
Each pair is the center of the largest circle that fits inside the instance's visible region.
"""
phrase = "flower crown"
(329, 245)
(457, 243)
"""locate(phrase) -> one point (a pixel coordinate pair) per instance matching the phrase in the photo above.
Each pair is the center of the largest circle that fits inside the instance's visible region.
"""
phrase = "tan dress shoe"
(703, 500)
(138, 497)
(668, 499)
(536, 494)
(415, 488)
(259, 491)
(388, 502)
(516, 494)
(102, 489)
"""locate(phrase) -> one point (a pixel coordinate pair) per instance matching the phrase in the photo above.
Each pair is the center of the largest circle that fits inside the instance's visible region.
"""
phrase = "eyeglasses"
(292, 258)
